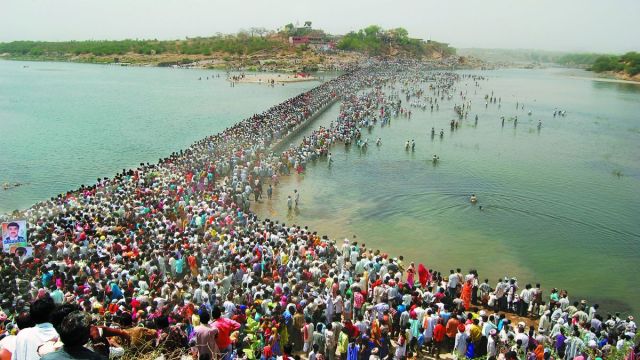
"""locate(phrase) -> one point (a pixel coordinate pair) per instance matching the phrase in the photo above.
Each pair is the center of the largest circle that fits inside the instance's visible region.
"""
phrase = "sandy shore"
(268, 78)
(603, 79)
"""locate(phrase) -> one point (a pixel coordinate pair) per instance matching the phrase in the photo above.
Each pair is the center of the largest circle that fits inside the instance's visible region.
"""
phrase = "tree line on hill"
(233, 44)
(372, 40)
(628, 63)
(375, 40)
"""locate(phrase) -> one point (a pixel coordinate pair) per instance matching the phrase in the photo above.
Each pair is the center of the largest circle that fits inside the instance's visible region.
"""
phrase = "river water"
(63, 124)
(560, 205)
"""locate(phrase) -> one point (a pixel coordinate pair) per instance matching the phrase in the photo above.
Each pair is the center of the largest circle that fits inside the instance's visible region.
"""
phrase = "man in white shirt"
(630, 326)
(452, 284)
(564, 302)
(500, 295)
(526, 296)
(197, 294)
(229, 307)
(8, 343)
(346, 249)
(522, 336)
(428, 324)
(30, 339)
(592, 311)
(491, 343)
(338, 305)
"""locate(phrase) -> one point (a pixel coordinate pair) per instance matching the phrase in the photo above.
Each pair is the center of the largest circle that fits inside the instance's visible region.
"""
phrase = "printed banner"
(14, 235)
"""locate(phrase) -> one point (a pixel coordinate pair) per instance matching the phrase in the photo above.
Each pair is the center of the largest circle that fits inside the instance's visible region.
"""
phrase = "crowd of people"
(169, 259)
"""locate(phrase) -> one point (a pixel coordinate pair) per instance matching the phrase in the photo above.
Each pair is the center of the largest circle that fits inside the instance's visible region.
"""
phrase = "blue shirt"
(46, 278)
(179, 265)
(116, 293)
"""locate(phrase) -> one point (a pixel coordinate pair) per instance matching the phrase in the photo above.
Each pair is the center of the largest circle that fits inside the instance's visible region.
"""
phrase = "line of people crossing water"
(169, 258)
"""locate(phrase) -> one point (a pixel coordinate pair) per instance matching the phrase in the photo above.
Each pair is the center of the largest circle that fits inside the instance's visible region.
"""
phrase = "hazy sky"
(572, 25)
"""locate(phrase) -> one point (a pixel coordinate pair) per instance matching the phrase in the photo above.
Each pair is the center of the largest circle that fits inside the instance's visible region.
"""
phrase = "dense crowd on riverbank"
(169, 256)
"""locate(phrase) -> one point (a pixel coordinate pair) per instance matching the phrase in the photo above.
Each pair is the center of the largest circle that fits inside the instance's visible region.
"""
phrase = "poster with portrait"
(14, 235)
(24, 253)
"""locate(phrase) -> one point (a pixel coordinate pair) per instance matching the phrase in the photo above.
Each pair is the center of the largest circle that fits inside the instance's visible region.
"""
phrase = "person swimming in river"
(441, 133)
(435, 158)
(473, 198)
(379, 142)
(406, 145)
(7, 186)
(413, 145)
(433, 132)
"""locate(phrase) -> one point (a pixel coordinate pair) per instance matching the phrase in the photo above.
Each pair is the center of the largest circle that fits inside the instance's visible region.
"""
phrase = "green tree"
(289, 28)
(372, 31)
